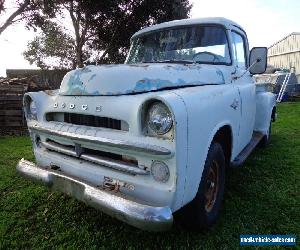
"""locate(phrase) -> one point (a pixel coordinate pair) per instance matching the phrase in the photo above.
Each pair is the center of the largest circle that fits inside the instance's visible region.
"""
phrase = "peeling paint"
(137, 78)
(144, 66)
(86, 69)
(92, 77)
(147, 84)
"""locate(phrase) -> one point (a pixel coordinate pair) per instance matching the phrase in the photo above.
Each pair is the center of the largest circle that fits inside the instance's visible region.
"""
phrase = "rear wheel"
(203, 211)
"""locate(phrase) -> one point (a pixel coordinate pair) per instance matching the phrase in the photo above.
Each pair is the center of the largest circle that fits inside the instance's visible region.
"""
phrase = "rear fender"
(265, 103)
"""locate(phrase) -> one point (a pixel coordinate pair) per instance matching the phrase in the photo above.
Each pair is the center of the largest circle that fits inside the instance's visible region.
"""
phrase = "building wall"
(286, 54)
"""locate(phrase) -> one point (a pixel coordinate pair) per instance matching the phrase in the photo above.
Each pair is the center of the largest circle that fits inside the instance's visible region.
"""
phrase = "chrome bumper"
(139, 215)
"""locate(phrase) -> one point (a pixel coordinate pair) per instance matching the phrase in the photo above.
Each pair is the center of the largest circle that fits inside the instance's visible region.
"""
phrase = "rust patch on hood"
(137, 78)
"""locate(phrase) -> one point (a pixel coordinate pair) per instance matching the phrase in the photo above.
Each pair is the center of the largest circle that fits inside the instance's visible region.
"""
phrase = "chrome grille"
(106, 159)
(86, 120)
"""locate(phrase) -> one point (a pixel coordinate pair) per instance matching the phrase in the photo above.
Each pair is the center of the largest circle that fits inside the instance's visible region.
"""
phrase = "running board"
(241, 158)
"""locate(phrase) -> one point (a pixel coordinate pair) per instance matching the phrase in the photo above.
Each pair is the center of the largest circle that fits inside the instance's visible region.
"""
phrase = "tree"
(101, 29)
(117, 21)
(52, 47)
(81, 27)
(61, 14)
(14, 17)
(1, 6)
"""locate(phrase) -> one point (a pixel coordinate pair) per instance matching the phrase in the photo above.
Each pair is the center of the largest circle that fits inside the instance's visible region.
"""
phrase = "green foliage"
(52, 48)
(262, 197)
(102, 29)
(115, 22)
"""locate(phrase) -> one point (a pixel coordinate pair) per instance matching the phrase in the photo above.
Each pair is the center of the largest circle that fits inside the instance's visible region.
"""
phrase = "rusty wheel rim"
(212, 186)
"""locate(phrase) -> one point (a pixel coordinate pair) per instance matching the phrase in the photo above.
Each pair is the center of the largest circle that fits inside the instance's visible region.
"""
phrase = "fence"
(12, 89)
(12, 119)
(49, 79)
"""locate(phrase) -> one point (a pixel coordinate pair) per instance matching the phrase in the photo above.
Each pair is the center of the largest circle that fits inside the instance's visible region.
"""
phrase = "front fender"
(208, 109)
(180, 115)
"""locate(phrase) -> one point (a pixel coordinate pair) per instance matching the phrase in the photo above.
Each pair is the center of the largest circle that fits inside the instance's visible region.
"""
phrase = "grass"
(262, 197)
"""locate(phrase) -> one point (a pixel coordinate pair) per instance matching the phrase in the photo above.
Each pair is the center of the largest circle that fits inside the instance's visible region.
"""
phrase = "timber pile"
(12, 120)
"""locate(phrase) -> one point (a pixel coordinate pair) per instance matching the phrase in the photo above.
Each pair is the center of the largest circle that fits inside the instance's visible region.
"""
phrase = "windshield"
(201, 44)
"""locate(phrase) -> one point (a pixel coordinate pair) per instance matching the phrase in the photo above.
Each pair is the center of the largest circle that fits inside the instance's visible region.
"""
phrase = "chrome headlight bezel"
(158, 120)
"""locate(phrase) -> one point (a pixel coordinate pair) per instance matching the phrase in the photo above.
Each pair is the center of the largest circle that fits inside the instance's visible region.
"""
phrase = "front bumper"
(136, 214)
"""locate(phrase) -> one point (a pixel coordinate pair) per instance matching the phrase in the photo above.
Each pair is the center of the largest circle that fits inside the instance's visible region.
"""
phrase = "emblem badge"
(84, 106)
(235, 104)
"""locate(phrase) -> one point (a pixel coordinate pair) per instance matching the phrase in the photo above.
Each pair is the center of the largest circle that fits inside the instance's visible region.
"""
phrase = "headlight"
(159, 118)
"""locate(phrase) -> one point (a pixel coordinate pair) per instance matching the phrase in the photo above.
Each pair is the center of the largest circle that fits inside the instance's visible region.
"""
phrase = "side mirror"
(258, 60)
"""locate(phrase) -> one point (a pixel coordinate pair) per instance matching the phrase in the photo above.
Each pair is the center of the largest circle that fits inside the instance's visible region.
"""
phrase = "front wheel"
(203, 211)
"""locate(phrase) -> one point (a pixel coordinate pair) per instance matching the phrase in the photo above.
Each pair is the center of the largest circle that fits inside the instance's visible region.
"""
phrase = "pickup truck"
(155, 135)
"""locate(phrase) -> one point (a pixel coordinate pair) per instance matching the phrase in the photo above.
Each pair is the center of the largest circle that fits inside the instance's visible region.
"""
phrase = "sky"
(265, 21)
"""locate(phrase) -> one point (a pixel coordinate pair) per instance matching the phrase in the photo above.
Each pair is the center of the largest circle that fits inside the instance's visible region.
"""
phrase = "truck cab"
(155, 135)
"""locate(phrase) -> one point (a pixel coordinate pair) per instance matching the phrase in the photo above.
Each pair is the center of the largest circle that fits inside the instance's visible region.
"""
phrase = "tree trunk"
(11, 19)
(78, 39)
(79, 56)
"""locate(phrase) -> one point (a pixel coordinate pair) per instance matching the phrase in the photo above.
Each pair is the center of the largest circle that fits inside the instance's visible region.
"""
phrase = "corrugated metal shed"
(286, 53)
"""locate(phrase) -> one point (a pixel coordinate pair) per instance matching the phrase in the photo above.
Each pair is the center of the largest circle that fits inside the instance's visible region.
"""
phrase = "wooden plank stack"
(12, 89)
(12, 120)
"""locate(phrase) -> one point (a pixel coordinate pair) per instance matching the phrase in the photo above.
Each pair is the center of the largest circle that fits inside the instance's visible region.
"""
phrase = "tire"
(203, 211)
(267, 138)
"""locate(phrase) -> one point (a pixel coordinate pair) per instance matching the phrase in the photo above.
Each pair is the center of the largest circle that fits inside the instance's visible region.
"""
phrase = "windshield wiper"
(171, 61)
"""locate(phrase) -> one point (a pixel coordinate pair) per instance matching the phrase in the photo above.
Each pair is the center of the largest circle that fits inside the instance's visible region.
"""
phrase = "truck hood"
(137, 78)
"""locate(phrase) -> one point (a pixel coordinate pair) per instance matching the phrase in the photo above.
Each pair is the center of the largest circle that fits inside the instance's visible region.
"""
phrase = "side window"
(239, 55)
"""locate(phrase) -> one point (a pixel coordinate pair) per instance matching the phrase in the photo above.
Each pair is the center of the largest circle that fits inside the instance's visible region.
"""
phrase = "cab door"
(243, 81)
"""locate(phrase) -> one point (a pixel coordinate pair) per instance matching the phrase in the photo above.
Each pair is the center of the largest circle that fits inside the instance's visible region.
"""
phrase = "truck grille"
(106, 159)
(87, 120)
